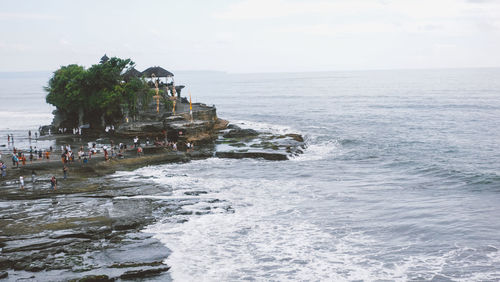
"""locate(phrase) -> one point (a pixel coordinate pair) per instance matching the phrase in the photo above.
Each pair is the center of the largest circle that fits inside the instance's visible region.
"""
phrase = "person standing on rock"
(53, 183)
(3, 169)
(136, 142)
(33, 175)
(15, 160)
(65, 172)
(21, 182)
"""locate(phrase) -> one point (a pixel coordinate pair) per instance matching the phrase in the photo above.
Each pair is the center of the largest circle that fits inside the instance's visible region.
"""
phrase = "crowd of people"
(84, 155)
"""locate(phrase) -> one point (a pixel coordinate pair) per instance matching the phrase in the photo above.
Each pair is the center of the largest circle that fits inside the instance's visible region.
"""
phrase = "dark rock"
(94, 278)
(132, 274)
(126, 225)
(253, 155)
(5, 263)
(44, 130)
(195, 193)
(3, 274)
(233, 126)
(129, 265)
(240, 133)
(296, 137)
(140, 128)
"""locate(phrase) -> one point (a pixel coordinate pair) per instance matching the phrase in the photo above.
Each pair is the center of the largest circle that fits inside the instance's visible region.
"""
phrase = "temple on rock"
(154, 108)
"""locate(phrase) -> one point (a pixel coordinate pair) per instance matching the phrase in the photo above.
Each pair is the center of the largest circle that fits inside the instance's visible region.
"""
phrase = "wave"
(265, 127)
(318, 151)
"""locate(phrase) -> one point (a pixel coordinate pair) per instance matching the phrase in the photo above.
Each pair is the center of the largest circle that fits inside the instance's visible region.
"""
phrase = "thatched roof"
(132, 73)
(158, 71)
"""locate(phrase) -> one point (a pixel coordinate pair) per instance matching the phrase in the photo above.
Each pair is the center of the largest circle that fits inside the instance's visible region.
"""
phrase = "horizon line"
(292, 71)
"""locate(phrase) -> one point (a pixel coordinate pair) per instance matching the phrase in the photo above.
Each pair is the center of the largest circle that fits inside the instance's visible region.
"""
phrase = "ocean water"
(400, 180)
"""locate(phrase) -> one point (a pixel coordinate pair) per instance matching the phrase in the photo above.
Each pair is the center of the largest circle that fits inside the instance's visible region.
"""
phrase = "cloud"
(16, 47)
(340, 29)
(64, 42)
(405, 10)
(26, 16)
(480, 1)
(268, 9)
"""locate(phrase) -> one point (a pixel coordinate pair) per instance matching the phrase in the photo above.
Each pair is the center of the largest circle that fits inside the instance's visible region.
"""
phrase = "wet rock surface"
(90, 235)
(91, 227)
(239, 143)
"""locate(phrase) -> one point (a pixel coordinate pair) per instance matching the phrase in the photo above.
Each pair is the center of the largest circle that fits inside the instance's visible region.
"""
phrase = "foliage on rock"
(100, 92)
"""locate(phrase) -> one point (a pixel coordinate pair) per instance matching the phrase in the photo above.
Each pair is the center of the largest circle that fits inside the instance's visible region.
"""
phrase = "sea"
(400, 179)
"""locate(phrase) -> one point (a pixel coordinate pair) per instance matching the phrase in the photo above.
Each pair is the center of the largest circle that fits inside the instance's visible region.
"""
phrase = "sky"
(246, 36)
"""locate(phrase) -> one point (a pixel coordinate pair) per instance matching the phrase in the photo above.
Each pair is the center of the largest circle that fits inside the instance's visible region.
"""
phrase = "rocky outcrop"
(240, 133)
(253, 155)
(140, 128)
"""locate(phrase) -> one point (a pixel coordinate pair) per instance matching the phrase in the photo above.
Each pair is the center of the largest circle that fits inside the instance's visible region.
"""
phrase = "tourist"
(136, 142)
(21, 182)
(15, 160)
(47, 155)
(139, 151)
(80, 155)
(3, 169)
(40, 154)
(53, 183)
(31, 158)
(33, 174)
(23, 159)
(147, 141)
(65, 172)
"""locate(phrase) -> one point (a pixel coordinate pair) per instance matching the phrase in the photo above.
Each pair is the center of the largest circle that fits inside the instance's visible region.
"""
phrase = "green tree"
(98, 92)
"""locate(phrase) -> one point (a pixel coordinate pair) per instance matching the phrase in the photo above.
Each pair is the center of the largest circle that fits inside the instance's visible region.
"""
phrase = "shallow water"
(400, 179)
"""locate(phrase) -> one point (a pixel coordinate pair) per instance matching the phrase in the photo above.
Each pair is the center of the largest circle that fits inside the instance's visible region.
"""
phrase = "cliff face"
(203, 127)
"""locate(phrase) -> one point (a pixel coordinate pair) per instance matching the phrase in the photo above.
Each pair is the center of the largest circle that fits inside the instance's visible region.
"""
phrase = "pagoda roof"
(104, 59)
(157, 71)
(132, 73)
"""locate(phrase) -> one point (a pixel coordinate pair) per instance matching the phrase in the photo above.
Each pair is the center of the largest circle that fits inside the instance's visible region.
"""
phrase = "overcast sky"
(252, 35)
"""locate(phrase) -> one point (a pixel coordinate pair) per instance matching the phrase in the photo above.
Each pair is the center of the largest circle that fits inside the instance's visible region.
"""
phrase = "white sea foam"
(318, 151)
(270, 236)
(251, 242)
(265, 127)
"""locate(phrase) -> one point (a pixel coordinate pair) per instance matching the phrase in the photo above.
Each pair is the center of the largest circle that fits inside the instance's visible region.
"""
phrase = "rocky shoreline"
(90, 228)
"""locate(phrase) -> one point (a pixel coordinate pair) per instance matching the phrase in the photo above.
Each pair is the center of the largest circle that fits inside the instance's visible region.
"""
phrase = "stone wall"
(205, 113)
